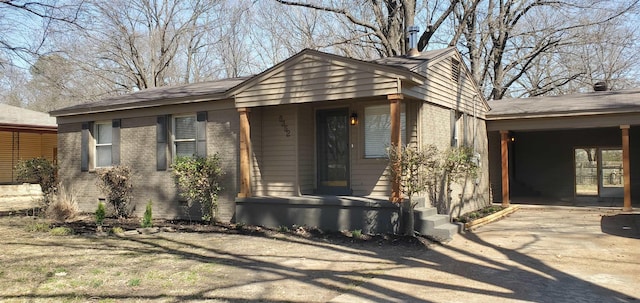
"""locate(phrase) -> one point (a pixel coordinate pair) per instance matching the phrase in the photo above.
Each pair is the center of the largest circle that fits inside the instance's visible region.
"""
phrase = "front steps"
(429, 223)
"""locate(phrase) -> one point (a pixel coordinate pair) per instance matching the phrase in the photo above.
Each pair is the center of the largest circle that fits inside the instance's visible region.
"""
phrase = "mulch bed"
(85, 225)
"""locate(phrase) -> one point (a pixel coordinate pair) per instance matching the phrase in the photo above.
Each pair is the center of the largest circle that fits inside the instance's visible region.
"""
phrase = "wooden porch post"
(626, 167)
(504, 154)
(394, 110)
(245, 155)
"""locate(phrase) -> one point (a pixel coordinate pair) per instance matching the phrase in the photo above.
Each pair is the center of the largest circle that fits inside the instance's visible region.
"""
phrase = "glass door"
(611, 182)
(598, 172)
(333, 151)
(586, 165)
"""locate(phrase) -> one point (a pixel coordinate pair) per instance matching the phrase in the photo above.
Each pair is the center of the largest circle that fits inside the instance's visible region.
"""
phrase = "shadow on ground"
(295, 269)
(621, 225)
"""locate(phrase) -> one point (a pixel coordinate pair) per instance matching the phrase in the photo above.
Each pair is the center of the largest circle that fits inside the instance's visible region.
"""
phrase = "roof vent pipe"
(600, 86)
(413, 41)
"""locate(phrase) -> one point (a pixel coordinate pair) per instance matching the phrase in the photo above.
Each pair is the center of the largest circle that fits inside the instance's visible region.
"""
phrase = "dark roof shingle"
(576, 104)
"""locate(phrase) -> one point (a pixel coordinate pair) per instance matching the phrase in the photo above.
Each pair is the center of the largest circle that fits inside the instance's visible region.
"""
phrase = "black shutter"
(84, 147)
(162, 137)
(201, 134)
(115, 142)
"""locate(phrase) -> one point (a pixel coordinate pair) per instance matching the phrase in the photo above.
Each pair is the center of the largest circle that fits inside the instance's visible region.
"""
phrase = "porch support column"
(626, 167)
(504, 154)
(245, 155)
(394, 110)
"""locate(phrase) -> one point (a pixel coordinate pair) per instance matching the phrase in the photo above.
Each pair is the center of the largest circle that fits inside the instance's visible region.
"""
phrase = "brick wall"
(436, 129)
(138, 151)
(222, 137)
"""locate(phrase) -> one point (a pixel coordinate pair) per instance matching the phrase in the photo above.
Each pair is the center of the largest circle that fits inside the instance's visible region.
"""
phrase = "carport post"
(626, 168)
(504, 154)
(245, 154)
(394, 111)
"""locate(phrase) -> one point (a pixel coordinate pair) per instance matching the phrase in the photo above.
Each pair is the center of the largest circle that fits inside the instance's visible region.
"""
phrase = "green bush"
(148, 216)
(115, 183)
(100, 214)
(198, 180)
(38, 227)
(40, 171)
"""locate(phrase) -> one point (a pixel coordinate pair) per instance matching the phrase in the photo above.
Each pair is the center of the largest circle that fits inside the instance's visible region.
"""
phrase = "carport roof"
(593, 103)
(16, 117)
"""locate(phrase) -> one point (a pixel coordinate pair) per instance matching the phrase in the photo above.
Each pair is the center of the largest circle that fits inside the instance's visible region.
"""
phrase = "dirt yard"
(537, 254)
(186, 263)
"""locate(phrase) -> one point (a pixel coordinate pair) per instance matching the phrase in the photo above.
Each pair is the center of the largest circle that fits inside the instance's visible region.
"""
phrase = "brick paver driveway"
(538, 254)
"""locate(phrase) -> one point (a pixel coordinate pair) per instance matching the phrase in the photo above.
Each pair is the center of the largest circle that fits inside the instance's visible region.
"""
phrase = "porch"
(371, 215)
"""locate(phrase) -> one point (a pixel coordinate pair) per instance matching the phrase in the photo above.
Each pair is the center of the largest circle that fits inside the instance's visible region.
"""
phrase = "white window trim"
(96, 144)
(403, 129)
(173, 133)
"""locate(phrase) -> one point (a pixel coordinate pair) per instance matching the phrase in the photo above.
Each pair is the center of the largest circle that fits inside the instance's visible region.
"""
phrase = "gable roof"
(16, 117)
(400, 68)
(605, 102)
(312, 75)
(413, 63)
(175, 94)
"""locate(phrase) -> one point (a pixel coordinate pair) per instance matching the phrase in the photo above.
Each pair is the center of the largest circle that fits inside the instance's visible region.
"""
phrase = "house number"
(284, 125)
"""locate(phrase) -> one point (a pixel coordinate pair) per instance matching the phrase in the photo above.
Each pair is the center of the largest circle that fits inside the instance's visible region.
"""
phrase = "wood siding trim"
(626, 167)
(245, 154)
(395, 109)
(504, 155)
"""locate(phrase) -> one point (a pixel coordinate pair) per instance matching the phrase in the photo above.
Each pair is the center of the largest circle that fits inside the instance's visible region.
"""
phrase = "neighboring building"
(567, 147)
(289, 150)
(24, 134)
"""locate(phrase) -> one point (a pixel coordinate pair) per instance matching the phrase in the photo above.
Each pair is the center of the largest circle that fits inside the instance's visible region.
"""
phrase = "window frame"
(387, 143)
(174, 152)
(95, 146)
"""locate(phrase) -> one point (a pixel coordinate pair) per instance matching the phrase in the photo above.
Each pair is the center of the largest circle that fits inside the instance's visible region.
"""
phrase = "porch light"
(354, 119)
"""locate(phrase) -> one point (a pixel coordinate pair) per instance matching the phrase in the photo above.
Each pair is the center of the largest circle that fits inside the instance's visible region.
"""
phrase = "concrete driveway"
(537, 254)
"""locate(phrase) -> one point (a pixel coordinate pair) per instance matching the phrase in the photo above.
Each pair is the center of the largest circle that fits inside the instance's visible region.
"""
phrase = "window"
(103, 136)
(377, 130)
(180, 136)
(185, 134)
(100, 144)
(459, 125)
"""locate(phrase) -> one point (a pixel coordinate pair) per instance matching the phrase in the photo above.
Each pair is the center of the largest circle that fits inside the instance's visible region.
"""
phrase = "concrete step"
(433, 225)
(444, 232)
(424, 212)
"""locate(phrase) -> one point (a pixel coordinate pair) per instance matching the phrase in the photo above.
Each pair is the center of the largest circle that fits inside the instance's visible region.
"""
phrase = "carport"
(566, 147)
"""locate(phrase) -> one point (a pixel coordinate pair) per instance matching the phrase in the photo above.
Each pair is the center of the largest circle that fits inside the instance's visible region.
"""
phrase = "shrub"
(61, 231)
(198, 180)
(38, 227)
(148, 216)
(100, 214)
(356, 234)
(115, 183)
(63, 205)
(116, 230)
(40, 171)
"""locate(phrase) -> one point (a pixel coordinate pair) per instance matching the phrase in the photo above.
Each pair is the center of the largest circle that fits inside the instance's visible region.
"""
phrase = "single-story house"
(571, 147)
(303, 142)
(24, 134)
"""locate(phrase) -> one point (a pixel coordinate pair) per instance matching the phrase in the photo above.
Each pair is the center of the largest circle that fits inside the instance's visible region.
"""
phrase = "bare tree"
(145, 43)
(506, 41)
(24, 26)
(385, 22)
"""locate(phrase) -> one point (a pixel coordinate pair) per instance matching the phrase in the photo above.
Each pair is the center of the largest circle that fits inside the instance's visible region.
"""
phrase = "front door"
(333, 151)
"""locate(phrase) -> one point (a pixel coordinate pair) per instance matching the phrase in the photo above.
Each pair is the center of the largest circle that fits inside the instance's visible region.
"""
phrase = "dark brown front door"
(333, 151)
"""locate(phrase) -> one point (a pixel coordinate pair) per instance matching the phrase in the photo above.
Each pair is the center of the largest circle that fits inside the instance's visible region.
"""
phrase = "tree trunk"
(407, 217)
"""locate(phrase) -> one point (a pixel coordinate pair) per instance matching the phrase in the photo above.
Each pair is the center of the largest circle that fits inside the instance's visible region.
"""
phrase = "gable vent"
(455, 70)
